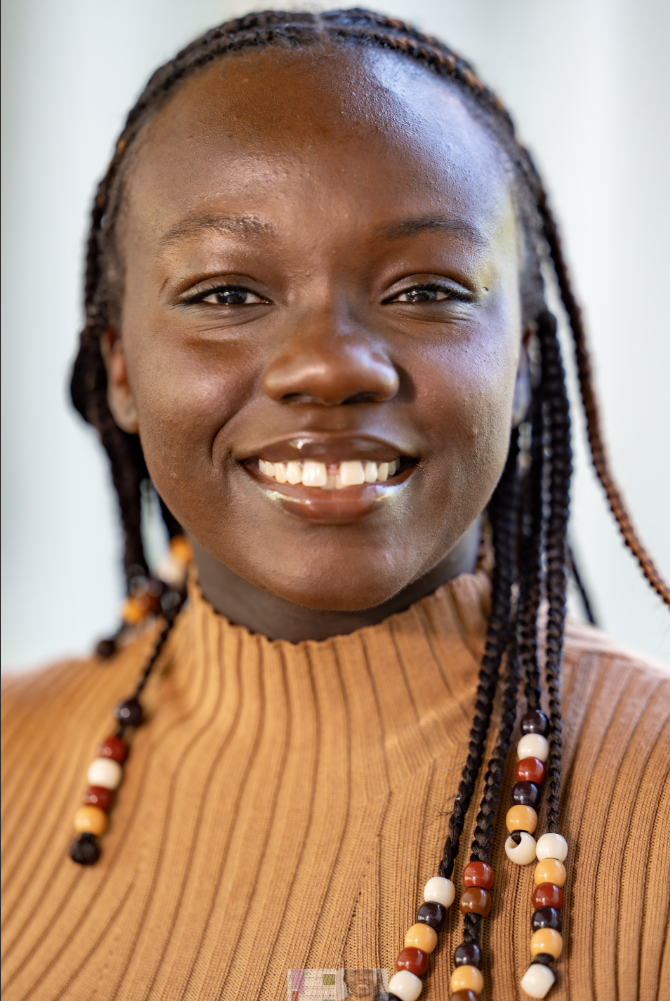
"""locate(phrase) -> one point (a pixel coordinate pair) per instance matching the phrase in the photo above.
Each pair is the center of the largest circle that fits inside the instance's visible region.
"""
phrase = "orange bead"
(550, 870)
(134, 611)
(478, 874)
(90, 819)
(548, 941)
(521, 818)
(475, 900)
(467, 978)
(180, 548)
(422, 937)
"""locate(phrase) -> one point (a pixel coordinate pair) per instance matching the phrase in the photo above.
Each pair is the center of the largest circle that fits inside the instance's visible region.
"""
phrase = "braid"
(502, 516)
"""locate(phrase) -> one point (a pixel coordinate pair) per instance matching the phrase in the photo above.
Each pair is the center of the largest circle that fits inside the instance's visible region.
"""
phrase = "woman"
(316, 321)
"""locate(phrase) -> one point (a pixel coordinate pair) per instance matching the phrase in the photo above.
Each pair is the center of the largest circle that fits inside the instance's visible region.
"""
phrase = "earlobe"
(522, 386)
(119, 394)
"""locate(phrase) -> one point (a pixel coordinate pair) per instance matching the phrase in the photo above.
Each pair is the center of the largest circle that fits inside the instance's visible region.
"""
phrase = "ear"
(119, 394)
(522, 386)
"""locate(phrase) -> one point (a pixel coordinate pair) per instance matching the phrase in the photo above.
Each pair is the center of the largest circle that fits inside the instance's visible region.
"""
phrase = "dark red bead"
(98, 796)
(546, 917)
(468, 954)
(535, 722)
(478, 874)
(129, 712)
(433, 914)
(530, 770)
(114, 748)
(526, 794)
(464, 996)
(547, 895)
(85, 850)
(414, 960)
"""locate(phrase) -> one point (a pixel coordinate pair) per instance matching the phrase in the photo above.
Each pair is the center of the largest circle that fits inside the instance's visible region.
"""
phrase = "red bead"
(547, 895)
(98, 796)
(478, 874)
(414, 960)
(114, 748)
(464, 996)
(475, 900)
(530, 770)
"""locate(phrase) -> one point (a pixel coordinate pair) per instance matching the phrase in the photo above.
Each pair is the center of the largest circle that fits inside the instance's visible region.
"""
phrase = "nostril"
(366, 397)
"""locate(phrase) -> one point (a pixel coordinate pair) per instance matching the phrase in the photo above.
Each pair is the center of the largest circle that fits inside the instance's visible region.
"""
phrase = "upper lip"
(331, 447)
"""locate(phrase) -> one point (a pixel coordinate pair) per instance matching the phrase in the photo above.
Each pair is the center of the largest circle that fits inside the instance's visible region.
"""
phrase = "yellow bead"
(546, 940)
(521, 818)
(90, 819)
(422, 937)
(467, 978)
(550, 870)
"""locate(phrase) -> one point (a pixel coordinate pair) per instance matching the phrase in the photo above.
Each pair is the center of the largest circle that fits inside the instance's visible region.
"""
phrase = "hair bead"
(90, 820)
(405, 985)
(533, 745)
(475, 900)
(552, 846)
(548, 895)
(550, 870)
(421, 936)
(478, 874)
(432, 914)
(530, 770)
(440, 890)
(546, 940)
(538, 980)
(412, 959)
(521, 818)
(522, 853)
(104, 772)
(467, 978)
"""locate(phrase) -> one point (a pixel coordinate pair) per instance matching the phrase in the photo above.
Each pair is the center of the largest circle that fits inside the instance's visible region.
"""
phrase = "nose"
(330, 363)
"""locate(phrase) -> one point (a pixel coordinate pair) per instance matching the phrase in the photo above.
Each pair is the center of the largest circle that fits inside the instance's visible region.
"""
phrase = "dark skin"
(322, 263)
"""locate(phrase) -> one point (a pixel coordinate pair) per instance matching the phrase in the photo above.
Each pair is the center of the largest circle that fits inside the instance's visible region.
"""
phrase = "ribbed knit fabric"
(285, 804)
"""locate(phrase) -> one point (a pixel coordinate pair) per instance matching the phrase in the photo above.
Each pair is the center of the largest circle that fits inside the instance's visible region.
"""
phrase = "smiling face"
(320, 325)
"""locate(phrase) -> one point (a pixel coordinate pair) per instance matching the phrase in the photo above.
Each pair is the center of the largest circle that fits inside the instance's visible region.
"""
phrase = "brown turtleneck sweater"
(284, 805)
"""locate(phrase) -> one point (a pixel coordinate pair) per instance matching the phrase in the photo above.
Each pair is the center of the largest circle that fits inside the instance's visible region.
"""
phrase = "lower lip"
(330, 507)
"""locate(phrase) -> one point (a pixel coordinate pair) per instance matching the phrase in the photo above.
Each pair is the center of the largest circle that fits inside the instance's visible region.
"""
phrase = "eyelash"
(450, 294)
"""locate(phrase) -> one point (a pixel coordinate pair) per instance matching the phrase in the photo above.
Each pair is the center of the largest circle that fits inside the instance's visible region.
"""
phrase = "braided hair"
(528, 513)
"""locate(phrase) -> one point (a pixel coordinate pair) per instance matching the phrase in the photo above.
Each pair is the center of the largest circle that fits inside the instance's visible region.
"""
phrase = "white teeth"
(370, 472)
(352, 472)
(294, 472)
(314, 474)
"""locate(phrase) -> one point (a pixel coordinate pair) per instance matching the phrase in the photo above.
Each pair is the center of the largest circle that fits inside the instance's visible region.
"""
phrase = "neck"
(278, 619)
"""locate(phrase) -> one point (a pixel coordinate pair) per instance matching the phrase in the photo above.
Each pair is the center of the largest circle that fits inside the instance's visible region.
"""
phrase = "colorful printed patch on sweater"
(336, 985)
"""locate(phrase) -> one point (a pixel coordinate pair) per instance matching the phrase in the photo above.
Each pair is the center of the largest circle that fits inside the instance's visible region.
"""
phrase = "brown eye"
(422, 295)
(231, 297)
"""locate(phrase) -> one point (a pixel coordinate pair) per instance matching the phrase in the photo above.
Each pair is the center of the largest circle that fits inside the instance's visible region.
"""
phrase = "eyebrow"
(425, 224)
(242, 225)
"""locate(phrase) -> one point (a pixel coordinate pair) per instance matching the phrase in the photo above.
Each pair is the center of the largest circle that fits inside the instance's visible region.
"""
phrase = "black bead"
(468, 954)
(526, 794)
(544, 958)
(106, 649)
(546, 917)
(385, 996)
(85, 850)
(129, 712)
(432, 914)
(535, 722)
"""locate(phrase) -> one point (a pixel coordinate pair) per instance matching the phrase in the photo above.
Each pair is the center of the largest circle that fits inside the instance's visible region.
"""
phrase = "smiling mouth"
(330, 476)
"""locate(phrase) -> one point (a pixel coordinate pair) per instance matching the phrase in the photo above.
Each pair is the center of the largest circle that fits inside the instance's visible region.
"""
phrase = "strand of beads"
(421, 939)
(546, 942)
(532, 752)
(104, 777)
(467, 980)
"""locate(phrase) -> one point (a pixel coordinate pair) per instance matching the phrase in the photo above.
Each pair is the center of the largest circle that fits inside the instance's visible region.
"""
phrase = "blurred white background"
(588, 84)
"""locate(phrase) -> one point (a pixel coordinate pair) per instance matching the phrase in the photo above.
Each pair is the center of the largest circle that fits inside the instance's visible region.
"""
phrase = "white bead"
(552, 846)
(405, 986)
(524, 852)
(533, 745)
(538, 980)
(441, 890)
(104, 772)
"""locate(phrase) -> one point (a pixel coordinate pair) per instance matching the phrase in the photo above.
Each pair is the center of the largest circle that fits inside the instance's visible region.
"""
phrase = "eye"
(430, 292)
(226, 295)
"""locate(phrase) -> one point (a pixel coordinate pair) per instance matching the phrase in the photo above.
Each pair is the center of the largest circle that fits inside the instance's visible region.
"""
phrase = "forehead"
(335, 130)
